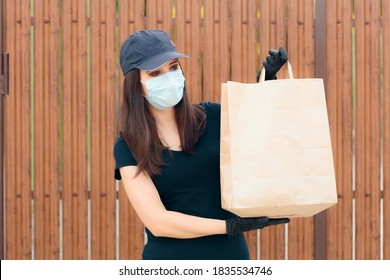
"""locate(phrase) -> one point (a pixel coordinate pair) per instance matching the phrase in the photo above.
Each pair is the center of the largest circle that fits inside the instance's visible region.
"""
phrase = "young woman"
(167, 156)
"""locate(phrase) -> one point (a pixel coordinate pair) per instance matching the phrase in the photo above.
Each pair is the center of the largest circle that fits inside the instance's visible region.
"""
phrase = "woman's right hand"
(237, 224)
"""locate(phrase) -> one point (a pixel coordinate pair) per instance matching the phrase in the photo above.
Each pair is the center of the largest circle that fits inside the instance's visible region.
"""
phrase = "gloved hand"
(237, 224)
(273, 62)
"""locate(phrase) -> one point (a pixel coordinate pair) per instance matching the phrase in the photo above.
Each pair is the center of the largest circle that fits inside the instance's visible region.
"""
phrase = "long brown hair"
(139, 129)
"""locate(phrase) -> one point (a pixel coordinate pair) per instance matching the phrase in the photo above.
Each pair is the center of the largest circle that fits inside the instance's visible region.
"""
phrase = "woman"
(167, 155)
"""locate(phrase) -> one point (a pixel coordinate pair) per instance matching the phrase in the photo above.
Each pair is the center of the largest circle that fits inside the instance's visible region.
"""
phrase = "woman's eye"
(174, 67)
(154, 74)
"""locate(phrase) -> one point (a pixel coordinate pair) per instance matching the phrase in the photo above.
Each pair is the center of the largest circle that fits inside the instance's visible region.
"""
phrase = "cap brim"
(159, 60)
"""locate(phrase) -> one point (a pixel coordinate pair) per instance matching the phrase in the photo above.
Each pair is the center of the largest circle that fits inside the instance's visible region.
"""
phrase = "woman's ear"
(144, 90)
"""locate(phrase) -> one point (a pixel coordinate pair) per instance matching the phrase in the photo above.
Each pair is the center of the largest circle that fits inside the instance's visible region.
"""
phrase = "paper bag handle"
(289, 69)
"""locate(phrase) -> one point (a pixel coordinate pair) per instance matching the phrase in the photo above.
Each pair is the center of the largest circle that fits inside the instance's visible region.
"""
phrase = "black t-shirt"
(190, 184)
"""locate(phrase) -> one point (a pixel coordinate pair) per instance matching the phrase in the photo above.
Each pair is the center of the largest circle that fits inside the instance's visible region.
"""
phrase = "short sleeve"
(123, 156)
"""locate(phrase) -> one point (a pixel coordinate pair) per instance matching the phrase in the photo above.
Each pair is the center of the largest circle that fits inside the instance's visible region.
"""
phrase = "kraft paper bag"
(276, 153)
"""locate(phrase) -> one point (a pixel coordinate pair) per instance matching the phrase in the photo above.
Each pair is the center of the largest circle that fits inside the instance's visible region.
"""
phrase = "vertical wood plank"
(18, 132)
(296, 44)
(273, 28)
(223, 61)
(3, 82)
(46, 130)
(301, 55)
(320, 70)
(74, 178)
(131, 229)
(299, 63)
(360, 126)
(159, 15)
(307, 225)
(339, 96)
(386, 125)
(103, 84)
(208, 50)
(244, 39)
(251, 31)
(367, 130)
(308, 32)
(241, 36)
(244, 63)
(216, 58)
(10, 133)
(272, 35)
(332, 105)
(24, 115)
(250, 69)
(236, 61)
(187, 40)
(264, 31)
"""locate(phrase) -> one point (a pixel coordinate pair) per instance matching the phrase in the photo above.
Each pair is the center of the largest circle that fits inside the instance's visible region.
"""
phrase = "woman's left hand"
(273, 62)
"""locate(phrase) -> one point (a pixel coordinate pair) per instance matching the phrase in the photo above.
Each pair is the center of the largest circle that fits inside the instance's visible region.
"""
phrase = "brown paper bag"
(276, 154)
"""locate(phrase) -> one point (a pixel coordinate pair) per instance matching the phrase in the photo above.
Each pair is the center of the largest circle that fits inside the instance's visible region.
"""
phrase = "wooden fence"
(61, 199)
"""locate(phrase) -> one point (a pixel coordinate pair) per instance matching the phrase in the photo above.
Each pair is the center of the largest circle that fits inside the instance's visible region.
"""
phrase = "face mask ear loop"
(185, 82)
(142, 88)
(181, 68)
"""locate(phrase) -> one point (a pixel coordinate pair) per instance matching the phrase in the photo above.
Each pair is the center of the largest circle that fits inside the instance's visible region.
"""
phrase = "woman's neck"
(164, 118)
(167, 128)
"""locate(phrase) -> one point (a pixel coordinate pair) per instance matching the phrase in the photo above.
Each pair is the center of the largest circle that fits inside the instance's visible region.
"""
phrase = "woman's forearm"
(178, 225)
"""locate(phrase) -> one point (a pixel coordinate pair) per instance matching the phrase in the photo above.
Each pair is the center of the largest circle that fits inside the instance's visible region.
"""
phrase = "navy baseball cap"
(147, 50)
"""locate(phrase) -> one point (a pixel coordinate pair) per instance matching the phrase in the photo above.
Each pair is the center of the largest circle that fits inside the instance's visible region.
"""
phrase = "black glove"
(237, 224)
(273, 62)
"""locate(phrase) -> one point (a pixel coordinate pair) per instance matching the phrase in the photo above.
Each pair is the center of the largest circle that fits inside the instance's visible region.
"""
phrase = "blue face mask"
(166, 90)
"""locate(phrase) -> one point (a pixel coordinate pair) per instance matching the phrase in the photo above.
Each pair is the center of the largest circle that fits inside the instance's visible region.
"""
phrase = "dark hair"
(139, 130)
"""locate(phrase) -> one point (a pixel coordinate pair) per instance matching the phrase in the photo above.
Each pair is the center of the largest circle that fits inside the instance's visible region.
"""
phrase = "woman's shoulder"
(121, 147)
(211, 107)
(213, 114)
(120, 143)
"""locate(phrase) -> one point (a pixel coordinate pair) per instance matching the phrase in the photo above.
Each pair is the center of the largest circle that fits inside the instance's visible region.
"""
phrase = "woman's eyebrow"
(174, 61)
